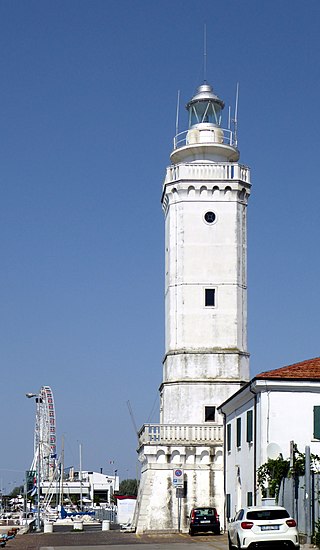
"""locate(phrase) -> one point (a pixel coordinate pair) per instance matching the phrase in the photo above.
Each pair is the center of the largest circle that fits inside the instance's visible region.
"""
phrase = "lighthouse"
(204, 200)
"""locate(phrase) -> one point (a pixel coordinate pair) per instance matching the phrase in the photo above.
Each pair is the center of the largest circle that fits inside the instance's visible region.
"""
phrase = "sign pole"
(178, 483)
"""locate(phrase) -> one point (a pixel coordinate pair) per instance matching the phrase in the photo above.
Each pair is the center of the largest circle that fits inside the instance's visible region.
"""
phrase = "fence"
(301, 503)
(106, 513)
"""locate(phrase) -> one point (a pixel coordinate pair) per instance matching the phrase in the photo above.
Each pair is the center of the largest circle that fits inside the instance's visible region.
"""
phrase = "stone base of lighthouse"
(160, 505)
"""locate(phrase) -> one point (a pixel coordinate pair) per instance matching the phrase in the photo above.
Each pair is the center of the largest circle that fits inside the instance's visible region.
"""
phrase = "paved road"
(114, 540)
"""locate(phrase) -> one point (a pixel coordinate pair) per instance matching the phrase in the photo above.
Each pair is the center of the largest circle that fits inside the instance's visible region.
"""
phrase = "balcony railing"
(214, 134)
(209, 171)
(165, 434)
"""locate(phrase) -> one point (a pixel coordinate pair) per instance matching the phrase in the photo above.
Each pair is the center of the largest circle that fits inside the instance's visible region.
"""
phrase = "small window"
(210, 297)
(249, 498)
(210, 217)
(316, 422)
(238, 432)
(249, 427)
(210, 413)
(228, 437)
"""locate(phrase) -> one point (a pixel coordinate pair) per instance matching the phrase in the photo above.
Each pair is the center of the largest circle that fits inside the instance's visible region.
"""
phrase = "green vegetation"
(271, 473)
(19, 490)
(128, 487)
(316, 538)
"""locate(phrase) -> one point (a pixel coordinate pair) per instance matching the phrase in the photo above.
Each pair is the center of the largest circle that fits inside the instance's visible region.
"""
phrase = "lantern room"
(205, 107)
(205, 140)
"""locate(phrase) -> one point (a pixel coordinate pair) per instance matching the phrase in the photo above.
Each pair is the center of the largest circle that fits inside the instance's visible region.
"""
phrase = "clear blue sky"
(87, 115)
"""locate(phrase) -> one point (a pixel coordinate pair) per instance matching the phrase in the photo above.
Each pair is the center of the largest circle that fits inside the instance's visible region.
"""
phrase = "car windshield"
(267, 514)
(204, 512)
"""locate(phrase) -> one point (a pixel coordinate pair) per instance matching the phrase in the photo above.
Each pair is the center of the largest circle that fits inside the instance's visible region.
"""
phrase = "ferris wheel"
(45, 453)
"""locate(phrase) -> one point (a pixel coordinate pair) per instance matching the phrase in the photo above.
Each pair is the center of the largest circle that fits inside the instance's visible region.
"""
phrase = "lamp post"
(115, 480)
(38, 401)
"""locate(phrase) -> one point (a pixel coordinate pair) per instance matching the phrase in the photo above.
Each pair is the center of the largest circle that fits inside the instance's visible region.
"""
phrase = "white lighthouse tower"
(204, 200)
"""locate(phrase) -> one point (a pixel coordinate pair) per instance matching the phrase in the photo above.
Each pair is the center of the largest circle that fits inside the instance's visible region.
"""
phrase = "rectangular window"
(210, 413)
(316, 422)
(249, 499)
(228, 437)
(238, 432)
(249, 426)
(228, 506)
(210, 297)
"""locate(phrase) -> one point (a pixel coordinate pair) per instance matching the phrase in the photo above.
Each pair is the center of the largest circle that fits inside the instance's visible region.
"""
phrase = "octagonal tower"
(204, 200)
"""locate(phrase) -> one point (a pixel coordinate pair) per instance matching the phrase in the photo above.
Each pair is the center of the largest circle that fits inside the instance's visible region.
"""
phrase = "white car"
(261, 526)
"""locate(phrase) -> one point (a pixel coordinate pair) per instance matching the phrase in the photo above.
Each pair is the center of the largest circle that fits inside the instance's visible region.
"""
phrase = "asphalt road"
(114, 540)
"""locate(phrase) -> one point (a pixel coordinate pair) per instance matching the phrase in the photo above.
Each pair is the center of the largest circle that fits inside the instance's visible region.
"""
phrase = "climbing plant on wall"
(271, 473)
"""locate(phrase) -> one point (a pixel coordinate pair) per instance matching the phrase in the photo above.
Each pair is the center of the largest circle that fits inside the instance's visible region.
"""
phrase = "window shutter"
(249, 426)
(228, 437)
(228, 506)
(238, 432)
(316, 422)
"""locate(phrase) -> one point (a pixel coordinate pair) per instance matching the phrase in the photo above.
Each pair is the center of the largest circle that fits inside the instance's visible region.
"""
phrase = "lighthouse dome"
(204, 93)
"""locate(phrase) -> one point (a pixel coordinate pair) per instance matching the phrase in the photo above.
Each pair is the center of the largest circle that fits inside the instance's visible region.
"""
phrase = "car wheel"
(191, 532)
(230, 543)
(238, 544)
(216, 531)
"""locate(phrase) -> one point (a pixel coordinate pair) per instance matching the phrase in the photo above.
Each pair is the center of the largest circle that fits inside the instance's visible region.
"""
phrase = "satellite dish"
(273, 450)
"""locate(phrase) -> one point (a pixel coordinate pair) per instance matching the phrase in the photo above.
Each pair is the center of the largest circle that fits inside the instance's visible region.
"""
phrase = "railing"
(208, 171)
(217, 134)
(164, 434)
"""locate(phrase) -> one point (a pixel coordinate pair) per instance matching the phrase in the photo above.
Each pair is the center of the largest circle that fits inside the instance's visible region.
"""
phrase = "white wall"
(239, 460)
(287, 416)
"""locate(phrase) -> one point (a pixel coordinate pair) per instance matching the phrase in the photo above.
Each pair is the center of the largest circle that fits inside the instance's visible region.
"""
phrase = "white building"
(94, 487)
(204, 200)
(261, 419)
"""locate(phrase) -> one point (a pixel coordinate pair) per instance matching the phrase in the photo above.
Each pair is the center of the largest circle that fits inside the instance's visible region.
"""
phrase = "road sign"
(178, 478)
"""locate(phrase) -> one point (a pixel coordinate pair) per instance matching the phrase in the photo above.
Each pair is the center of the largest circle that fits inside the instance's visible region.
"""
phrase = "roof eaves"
(235, 395)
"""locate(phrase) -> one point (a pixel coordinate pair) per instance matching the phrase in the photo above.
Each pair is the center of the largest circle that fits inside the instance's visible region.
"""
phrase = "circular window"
(210, 217)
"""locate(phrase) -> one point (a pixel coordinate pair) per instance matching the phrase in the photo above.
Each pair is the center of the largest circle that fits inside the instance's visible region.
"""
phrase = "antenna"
(205, 53)
(235, 120)
(229, 118)
(177, 113)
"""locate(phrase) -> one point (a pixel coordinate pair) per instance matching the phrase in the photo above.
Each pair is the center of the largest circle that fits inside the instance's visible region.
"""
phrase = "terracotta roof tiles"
(309, 369)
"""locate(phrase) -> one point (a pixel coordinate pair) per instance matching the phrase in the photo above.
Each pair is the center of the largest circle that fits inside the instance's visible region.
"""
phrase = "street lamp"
(38, 401)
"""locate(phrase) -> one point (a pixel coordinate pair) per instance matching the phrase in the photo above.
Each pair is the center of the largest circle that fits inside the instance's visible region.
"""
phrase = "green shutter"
(228, 506)
(249, 426)
(316, 422)
(238, 432)
(228, 437)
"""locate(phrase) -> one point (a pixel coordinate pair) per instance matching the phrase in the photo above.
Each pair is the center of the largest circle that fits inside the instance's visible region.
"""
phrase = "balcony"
(181, 434)
(205, 133)
(226, 171)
